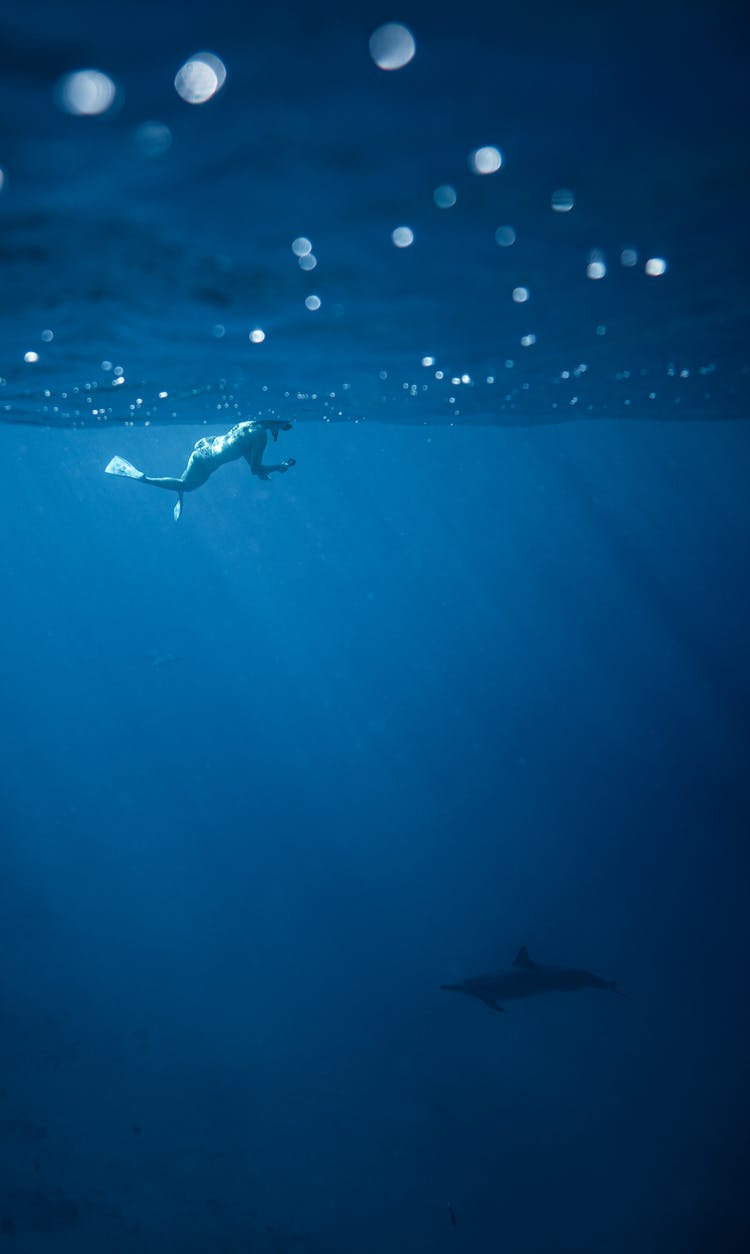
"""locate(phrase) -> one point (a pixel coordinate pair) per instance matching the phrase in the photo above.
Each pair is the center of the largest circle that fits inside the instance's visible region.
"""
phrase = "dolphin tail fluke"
(611, 986)
(118, 466)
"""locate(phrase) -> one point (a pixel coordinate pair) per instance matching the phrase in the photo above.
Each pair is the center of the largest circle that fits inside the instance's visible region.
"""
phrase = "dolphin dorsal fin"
(522, 958)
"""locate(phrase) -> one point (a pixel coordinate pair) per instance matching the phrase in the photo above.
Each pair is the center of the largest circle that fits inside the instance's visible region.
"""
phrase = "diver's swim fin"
(178, 508)
(118, 466)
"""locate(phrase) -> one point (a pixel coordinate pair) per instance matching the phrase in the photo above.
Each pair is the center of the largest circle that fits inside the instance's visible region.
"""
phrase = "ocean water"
(472, 675)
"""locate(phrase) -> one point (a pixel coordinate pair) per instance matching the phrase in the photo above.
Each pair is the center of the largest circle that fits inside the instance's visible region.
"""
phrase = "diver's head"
(275, 426)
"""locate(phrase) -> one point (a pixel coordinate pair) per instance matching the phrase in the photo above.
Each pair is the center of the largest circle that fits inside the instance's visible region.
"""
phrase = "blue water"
(472, 675)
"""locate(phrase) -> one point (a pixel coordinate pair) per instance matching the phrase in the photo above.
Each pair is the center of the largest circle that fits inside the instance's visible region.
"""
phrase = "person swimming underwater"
(245, 439)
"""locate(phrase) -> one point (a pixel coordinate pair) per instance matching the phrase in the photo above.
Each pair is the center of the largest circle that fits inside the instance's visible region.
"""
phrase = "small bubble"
(152, 139)
(392, 46)
(85, 92)
(655, 266)
(257, 336)
(308, 262)
(31, 357)
(402, 236)
(200, 78)
(528, 340)
(445, 196)
(48, 336)
(563, 200)
(218, 331)
(505, 236)
(629, 257)
(301, 246)
(596, 270)
(520, 294)
(312, 302)
(428, 361)
(485, 160)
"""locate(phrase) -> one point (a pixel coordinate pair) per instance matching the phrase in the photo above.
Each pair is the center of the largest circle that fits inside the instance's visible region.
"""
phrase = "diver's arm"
(254, 457)
(264, 472)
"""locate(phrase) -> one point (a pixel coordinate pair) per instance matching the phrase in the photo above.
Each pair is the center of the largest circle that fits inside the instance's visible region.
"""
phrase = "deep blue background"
(273, 775)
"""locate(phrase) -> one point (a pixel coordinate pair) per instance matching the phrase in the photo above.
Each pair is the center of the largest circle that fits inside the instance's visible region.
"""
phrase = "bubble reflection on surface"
(200, 78)
(152, 139)
(403, 236)
(392, 46)
(563, 200)
(655, 266)
(85, 93)
(487, 160)
(444, 196)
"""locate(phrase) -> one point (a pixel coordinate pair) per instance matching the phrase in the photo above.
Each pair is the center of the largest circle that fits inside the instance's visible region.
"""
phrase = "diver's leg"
(166, 481)
(193, 476)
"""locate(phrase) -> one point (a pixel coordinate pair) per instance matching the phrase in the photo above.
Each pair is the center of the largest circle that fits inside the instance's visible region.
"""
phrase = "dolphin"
(525, 979)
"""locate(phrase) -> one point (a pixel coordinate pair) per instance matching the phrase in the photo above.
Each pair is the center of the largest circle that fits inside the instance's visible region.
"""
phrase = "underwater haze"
(471, 676)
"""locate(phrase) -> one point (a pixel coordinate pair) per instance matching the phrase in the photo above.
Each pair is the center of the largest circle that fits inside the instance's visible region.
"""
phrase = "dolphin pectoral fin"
(522, 958)
(492, 1004)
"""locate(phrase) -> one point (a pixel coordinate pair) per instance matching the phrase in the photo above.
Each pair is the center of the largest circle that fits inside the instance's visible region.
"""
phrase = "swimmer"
(246, 439)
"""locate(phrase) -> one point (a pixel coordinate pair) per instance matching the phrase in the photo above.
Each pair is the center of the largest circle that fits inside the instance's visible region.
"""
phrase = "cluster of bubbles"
(85, 93)
(306, 260)
(89, 92)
